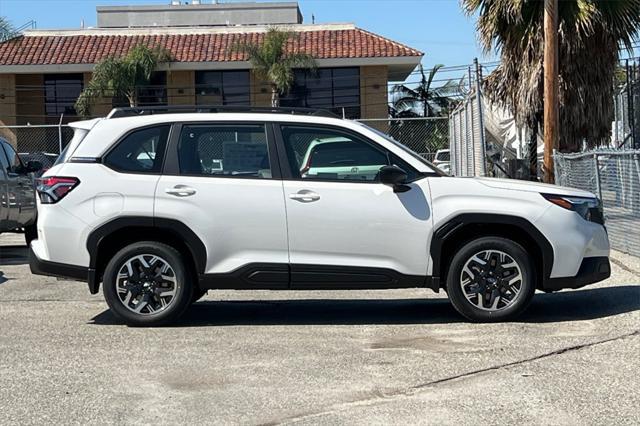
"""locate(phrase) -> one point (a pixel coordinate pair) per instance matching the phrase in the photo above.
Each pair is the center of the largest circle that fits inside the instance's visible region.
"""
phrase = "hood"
(521, 185)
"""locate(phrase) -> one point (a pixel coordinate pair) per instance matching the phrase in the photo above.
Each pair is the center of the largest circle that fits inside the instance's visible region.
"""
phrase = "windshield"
(407, 150)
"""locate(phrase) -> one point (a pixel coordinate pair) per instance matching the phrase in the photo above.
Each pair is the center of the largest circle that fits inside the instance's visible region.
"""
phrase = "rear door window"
(224, 150)
(141, 151)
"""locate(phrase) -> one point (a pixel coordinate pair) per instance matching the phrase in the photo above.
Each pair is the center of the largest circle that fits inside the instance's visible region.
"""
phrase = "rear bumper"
(54, 269)
(62, 270)
(592, 270)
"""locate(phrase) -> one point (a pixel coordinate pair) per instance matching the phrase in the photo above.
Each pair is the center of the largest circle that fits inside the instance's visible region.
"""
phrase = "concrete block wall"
(8, 106)
(260, 91)
(7, 99)
(374, 95)
(102, 105)
(30, 99)
(181, 88)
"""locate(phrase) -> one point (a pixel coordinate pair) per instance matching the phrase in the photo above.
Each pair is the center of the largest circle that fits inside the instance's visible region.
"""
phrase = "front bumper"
(592, 270)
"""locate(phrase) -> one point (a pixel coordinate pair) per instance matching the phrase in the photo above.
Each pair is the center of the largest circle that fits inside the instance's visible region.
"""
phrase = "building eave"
(399, 67)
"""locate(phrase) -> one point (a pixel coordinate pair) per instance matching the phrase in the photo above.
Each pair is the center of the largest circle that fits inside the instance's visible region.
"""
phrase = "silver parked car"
(18, 210)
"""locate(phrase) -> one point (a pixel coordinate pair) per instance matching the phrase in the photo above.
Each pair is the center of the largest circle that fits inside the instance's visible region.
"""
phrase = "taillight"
(52, 189)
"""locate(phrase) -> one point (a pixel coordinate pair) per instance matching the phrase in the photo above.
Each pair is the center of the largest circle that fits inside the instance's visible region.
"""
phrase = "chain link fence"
(424, 135)
(49, 139)
(614, 176)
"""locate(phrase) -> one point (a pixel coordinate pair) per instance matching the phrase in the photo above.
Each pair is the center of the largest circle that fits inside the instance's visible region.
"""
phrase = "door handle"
(180, 191)
(305, 196)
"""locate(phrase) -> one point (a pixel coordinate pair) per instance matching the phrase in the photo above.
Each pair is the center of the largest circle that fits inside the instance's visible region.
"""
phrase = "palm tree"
(591, 33)
(424, 100)
(7, 31)
(121, 77)
(274, 60)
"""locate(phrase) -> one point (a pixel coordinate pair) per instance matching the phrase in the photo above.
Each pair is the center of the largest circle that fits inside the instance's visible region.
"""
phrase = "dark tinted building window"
(154, 93)
(335, 89)
(141, 151)
(223, 88)
(61, 92)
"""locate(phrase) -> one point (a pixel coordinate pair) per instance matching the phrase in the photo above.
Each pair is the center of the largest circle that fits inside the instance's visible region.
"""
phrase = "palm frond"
(275, 58)
(404, 91)
(590, 31)
(120, 77)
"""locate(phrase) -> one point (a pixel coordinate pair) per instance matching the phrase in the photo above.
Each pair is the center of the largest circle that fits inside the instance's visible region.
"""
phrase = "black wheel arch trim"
(177, 228)
(448, 229)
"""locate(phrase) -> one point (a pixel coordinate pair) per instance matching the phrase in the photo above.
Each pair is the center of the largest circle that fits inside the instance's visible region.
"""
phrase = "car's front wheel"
(490, 279)
(147, 284)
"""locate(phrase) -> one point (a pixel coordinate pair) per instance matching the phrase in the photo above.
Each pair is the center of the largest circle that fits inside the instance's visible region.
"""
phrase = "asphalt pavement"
(350, 357)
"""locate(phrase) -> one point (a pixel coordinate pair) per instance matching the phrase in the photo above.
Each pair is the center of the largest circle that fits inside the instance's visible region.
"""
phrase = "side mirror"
(33, 166)
(394, 176)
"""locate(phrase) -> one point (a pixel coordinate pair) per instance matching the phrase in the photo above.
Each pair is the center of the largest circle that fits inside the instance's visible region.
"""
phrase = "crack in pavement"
(402, 393)
(623, 266)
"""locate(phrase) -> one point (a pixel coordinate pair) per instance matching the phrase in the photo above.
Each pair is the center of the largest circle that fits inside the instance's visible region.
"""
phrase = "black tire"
(183, 285)
(30, 233)
(511, 309)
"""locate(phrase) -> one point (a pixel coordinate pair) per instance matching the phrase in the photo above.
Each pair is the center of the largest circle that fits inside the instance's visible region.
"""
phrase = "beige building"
(42, 72)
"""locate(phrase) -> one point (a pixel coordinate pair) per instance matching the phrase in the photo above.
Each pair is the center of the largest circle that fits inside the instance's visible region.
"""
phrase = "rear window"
(141, 151)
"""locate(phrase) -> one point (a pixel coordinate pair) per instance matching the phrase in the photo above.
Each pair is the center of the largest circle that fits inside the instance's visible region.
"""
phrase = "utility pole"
(551, 87)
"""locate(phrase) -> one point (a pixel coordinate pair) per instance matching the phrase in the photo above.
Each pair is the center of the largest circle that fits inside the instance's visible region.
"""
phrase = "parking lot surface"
(356, 357)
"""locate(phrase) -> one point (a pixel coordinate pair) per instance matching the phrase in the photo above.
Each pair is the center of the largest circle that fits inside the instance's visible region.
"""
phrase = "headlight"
(588, 208)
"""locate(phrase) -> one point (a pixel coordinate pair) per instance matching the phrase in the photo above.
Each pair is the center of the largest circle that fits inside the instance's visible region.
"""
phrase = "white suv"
(162, 207)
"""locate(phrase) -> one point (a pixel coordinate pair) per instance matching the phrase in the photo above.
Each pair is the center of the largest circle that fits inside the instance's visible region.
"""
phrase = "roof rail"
(171, 109)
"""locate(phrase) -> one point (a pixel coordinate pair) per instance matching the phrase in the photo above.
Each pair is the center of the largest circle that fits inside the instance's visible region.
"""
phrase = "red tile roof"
(78, 48)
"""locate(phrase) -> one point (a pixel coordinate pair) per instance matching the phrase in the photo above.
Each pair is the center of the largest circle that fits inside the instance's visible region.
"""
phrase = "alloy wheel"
(491, 280)
(146, 284)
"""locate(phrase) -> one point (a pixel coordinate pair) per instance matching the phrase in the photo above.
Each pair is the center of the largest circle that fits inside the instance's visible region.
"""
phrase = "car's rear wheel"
(147, 284)
(490, 279)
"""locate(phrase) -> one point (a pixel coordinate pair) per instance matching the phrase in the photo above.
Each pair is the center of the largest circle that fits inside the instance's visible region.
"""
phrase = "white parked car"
(301, 202)
(442, 160)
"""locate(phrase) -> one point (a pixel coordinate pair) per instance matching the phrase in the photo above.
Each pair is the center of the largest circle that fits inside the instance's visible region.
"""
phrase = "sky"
(439, 28)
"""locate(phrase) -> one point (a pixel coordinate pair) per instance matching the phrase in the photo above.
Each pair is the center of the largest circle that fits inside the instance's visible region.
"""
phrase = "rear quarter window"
(141, 151)
(78, 136)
